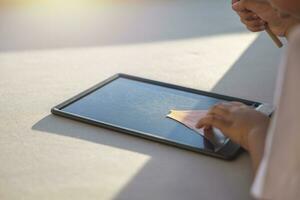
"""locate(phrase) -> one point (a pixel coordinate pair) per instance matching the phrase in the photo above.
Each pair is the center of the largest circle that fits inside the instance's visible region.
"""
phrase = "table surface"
(48, 157)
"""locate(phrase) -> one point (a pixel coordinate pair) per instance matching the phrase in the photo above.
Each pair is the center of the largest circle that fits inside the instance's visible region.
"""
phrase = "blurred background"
(44, 24)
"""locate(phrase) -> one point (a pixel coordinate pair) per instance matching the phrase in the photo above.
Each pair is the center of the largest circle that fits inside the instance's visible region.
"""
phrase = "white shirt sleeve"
(278, 176)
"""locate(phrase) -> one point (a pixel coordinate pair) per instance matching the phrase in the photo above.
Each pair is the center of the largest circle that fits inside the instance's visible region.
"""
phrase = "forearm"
(256, 146)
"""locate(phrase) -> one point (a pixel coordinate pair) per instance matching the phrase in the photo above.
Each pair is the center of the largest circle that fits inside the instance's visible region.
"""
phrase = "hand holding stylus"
(258, 15)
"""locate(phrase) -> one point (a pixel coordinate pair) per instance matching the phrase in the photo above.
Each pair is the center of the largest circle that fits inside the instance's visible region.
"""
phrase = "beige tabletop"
(48, 157)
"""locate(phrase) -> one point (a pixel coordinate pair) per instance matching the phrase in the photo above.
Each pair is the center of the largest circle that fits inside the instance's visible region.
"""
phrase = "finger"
(207, 128)
(253, 23)
(248, 16)
(220, 109)
(256, 28)
(208, 132)
(213, 120)
(248, 5)
(234, 1)
(237, 103)
(239, 6)
(230, 104)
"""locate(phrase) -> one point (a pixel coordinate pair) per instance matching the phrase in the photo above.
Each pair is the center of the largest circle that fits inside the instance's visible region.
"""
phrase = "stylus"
(275, 39)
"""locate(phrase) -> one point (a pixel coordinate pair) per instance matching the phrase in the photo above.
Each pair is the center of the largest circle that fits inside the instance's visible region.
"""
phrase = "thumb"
(240, 6)
(234, 1)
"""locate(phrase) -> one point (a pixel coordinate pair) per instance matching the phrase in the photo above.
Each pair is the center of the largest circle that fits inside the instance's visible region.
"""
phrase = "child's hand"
(236, 120)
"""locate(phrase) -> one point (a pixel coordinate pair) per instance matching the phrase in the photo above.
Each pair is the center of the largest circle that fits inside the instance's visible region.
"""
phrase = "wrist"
(253, 138)
(256, 140)
(256, 146)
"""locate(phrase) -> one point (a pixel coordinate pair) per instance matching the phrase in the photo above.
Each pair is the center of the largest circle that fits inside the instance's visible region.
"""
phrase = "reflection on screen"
(143, 107)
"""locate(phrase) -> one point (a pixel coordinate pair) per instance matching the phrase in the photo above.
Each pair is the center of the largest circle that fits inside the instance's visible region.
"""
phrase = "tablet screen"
(142, 107)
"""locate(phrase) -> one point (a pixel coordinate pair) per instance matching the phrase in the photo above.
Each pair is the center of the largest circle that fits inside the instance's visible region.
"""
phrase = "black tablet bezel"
(229, 151)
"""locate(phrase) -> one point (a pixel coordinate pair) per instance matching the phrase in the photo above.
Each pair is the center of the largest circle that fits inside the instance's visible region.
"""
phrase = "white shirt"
(278, 176)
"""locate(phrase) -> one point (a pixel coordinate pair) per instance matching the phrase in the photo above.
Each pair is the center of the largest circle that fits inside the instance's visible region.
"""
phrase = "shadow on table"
(169, 169)
(165, 175)
(253, 75)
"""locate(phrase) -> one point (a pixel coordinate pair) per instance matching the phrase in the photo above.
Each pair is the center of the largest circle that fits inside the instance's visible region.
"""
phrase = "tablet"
(139, 106)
